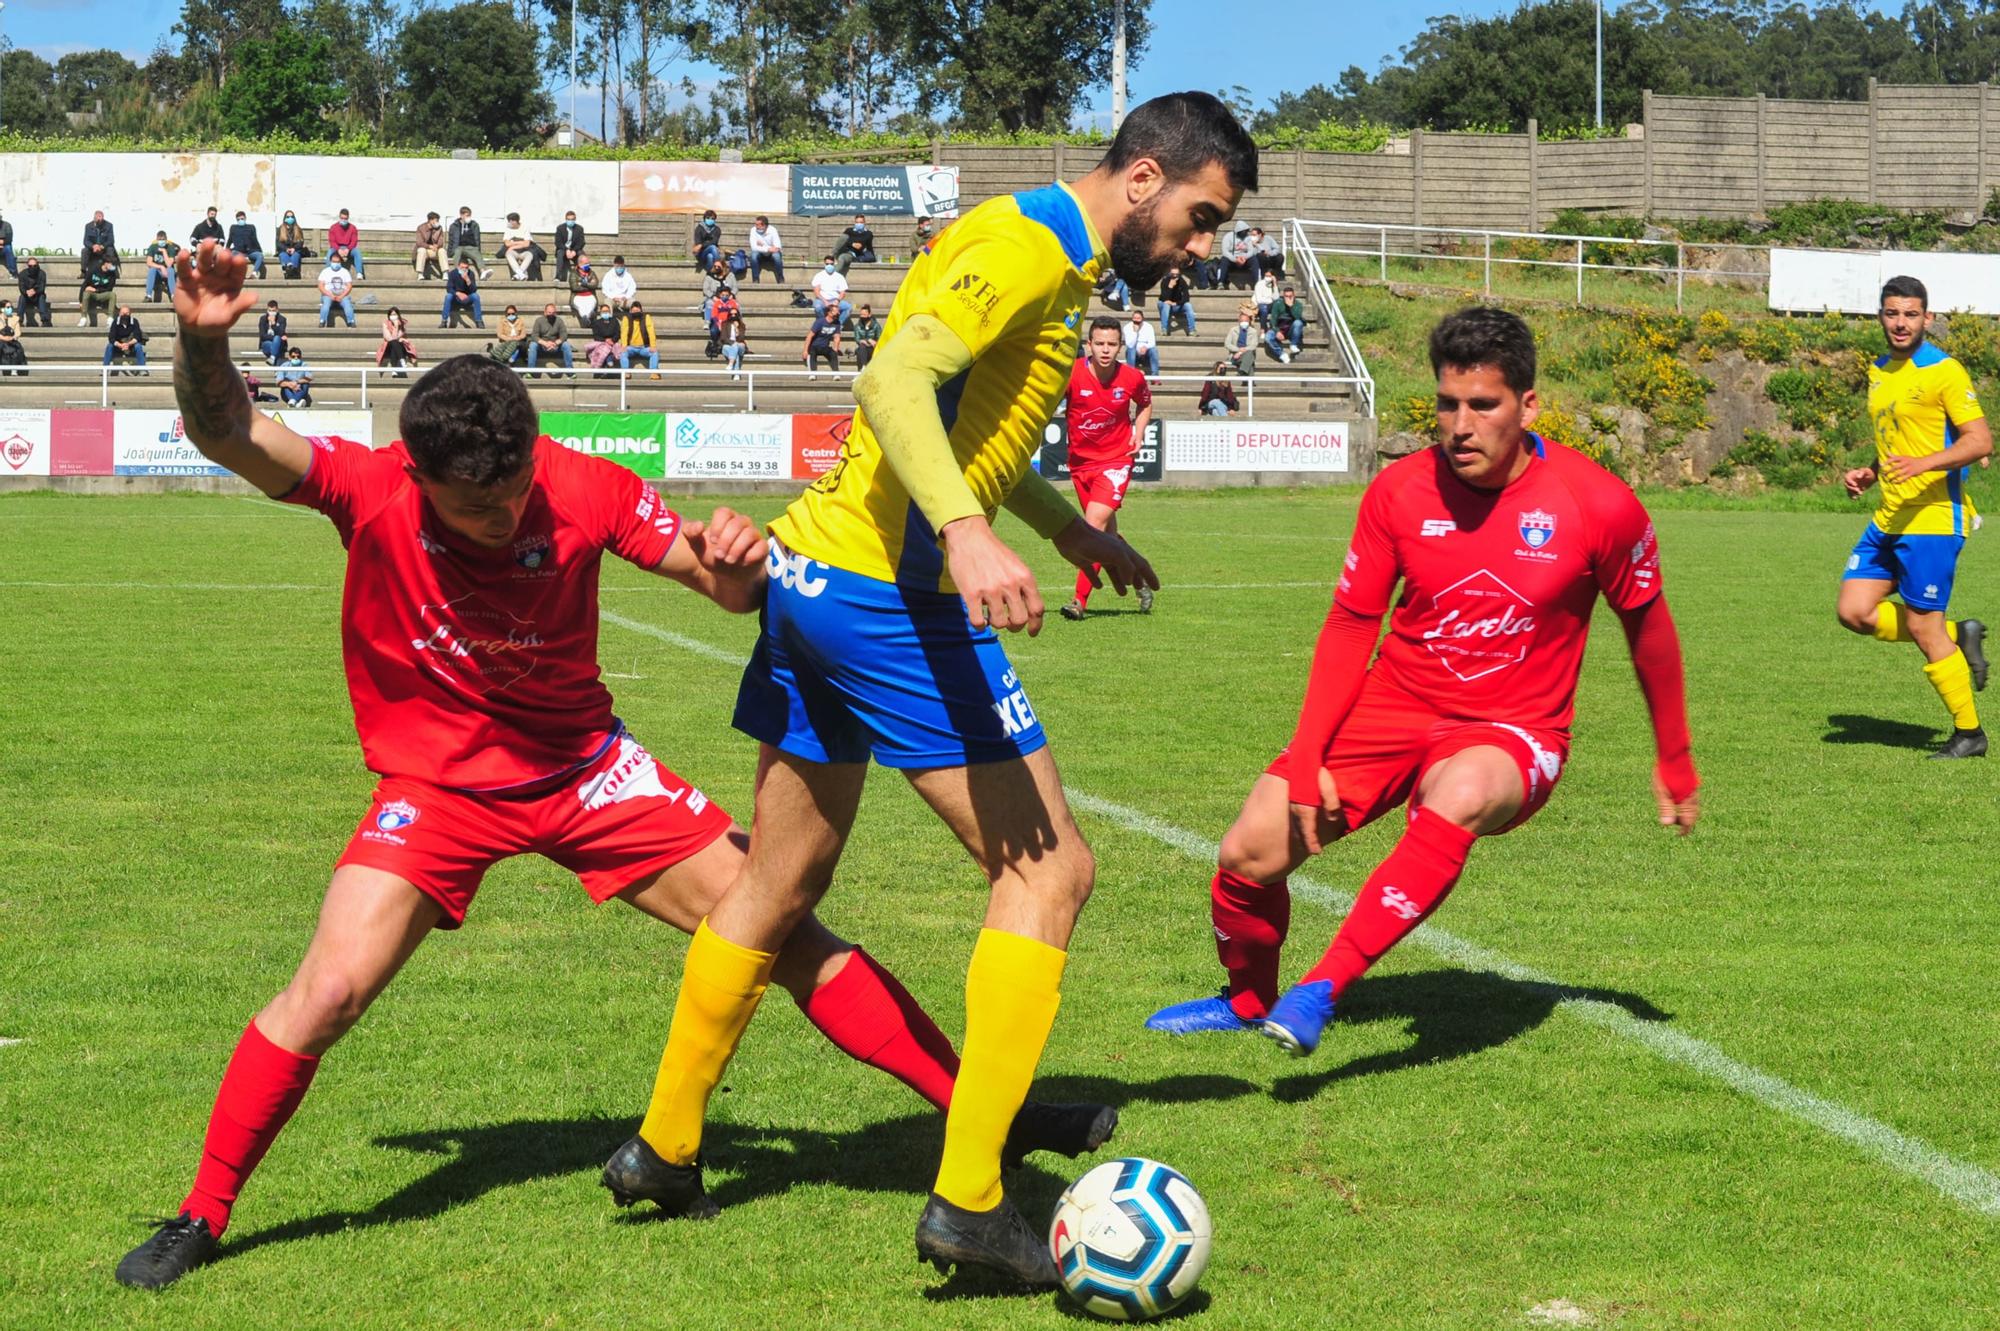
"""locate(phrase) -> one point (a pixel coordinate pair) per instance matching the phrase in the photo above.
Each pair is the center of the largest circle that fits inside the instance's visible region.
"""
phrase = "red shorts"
(1105, 486)
(621, 819)
(1391, 739)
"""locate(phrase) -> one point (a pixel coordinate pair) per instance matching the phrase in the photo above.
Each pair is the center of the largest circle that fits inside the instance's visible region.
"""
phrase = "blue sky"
(1188, 49)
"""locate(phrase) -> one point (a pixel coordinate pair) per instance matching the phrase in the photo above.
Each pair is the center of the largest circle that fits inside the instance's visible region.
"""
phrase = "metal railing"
(1383, 242)
(338, 377)
(1295, 241)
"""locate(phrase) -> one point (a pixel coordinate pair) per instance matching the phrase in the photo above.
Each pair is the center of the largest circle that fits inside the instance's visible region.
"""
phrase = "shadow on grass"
(746, 1162)
(1452, 1013)
(1845, 728)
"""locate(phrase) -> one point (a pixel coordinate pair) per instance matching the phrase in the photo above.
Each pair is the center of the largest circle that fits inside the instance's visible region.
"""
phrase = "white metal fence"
(352, 382)
(1296, 242)
(1459, 248)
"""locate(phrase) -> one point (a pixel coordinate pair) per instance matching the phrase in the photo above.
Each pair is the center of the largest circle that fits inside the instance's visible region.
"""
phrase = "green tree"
(211, 30)
(467, 78)
(84, 79)
(1016, 64)
(282, 85)
(362, 36)
(25, 105)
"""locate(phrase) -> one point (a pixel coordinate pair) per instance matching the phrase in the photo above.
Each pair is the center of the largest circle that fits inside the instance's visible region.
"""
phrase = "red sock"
(1250, 923)
(1083, 587)
(872, 1019)
(1398, 896)
(260, 1089)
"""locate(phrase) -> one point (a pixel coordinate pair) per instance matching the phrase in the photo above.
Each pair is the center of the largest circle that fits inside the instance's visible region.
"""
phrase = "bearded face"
(1137, 254)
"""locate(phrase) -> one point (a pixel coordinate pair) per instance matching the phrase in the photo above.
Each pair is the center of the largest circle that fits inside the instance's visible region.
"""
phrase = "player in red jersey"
(469, 631)
(1109, 407)
(1503, 543)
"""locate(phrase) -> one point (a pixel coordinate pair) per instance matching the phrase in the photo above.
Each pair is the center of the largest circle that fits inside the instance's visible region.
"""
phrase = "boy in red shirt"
(1503, 542)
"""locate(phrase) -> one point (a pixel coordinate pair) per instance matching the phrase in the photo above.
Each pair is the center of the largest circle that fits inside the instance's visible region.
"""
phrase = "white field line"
(1967, 1184)
(4, 1042)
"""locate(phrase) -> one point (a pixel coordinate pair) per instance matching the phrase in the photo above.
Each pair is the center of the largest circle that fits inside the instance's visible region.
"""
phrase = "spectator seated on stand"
(707, 246)
(427, 258)
(637, 335)
(619, 288)
(510, 341)
(461, 297)
(292, 250)
(295, 380)
(733, 346)
(34, 283)
(396, 351)
(160, 276)
(99, 294)
(1234, 251)
(336, 292)
(1239, 344)
(462, 239)
(344, 238)
(1176, 302)
(1266, 255)
(208, 228)
(822, 342)
(13, 355)
(830, 290)
(569, 245)
(867, 332)
(1113, 290)
(583, 284)
(1286, 335)
(857, 245)
(766, 250)
(1142, 347)
(549, 339)
(271, 329)
(125, 341)
(518, 248)
(243, 240)
(1218, 394)
(604, 349)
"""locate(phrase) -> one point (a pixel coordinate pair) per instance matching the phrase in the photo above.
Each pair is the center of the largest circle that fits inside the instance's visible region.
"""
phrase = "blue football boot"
(1300, 1016)
(1198, 1015)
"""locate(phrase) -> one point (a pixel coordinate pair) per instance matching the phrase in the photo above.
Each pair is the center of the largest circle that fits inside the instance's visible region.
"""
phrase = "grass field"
(1741, 1080)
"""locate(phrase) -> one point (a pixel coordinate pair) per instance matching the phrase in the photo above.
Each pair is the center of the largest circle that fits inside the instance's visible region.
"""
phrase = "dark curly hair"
(469, 419)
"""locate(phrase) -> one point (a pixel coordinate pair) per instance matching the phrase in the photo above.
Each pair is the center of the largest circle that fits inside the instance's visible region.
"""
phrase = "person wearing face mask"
(243, 240)
(208, 228)
(427, 257)
(569, 245)
(34, 284)
(160, 257)
(707, 247)
(619, 288)
(830, 288)
(510, 339)
(292, 251)
(295, 380)
(583, 284)
(638, 339)
(13, 355)
(1239, 344)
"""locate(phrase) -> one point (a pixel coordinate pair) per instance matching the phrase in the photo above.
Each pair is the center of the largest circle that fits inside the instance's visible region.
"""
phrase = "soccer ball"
(1130, 1239)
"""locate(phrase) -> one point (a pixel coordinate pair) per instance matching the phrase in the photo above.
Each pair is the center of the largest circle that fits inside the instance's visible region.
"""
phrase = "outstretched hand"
(208, 294)
(1086, 547)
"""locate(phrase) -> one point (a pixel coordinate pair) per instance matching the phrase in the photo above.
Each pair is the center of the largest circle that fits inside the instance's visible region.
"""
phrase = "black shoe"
(1964, 744)
(1972, 641)
(177, 1247)
(1067, 1130)
(638, 1174)
(998, 1240)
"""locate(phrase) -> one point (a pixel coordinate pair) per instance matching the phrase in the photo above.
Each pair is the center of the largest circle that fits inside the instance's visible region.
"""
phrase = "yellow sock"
(1952, 678)
(1012, 990)
(720, 986)
(1889, 625)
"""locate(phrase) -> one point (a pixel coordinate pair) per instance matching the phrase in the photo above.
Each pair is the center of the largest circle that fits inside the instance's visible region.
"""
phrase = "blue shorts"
(850, 667)
(1921, 566)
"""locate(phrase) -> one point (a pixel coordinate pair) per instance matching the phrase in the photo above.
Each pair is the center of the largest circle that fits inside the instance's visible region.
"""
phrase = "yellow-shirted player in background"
(887, 582)
(1928, 429)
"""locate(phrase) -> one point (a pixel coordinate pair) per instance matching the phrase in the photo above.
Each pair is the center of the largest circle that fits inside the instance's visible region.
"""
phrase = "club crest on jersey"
(530, 551)
(396, 815)
(1538, 528)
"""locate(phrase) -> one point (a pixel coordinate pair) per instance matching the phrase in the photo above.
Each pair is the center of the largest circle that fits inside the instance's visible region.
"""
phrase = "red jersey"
(1100, 416)
(1498, 586)
(472, 667)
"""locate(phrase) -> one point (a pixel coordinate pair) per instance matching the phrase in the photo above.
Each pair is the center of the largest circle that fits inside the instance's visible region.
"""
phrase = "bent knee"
(1256, 855)
(326, 1004)
(1856, 619)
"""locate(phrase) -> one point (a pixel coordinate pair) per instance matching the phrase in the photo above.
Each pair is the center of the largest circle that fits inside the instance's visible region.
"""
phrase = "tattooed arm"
(215, 408)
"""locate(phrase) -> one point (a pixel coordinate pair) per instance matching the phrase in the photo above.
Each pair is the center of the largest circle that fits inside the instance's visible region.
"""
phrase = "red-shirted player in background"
(469, 631)
(1109, 407)
(1503, 542)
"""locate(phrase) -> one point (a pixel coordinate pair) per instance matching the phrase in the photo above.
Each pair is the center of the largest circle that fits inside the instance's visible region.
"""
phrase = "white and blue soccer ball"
(1131, 1239)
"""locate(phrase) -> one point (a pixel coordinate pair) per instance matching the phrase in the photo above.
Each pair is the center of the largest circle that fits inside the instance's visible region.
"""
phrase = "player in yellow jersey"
(887, 582)
(1928, 428)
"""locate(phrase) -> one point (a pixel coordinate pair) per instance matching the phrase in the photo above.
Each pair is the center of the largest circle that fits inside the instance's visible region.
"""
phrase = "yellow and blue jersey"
(1918, 404)
(1012, 279)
